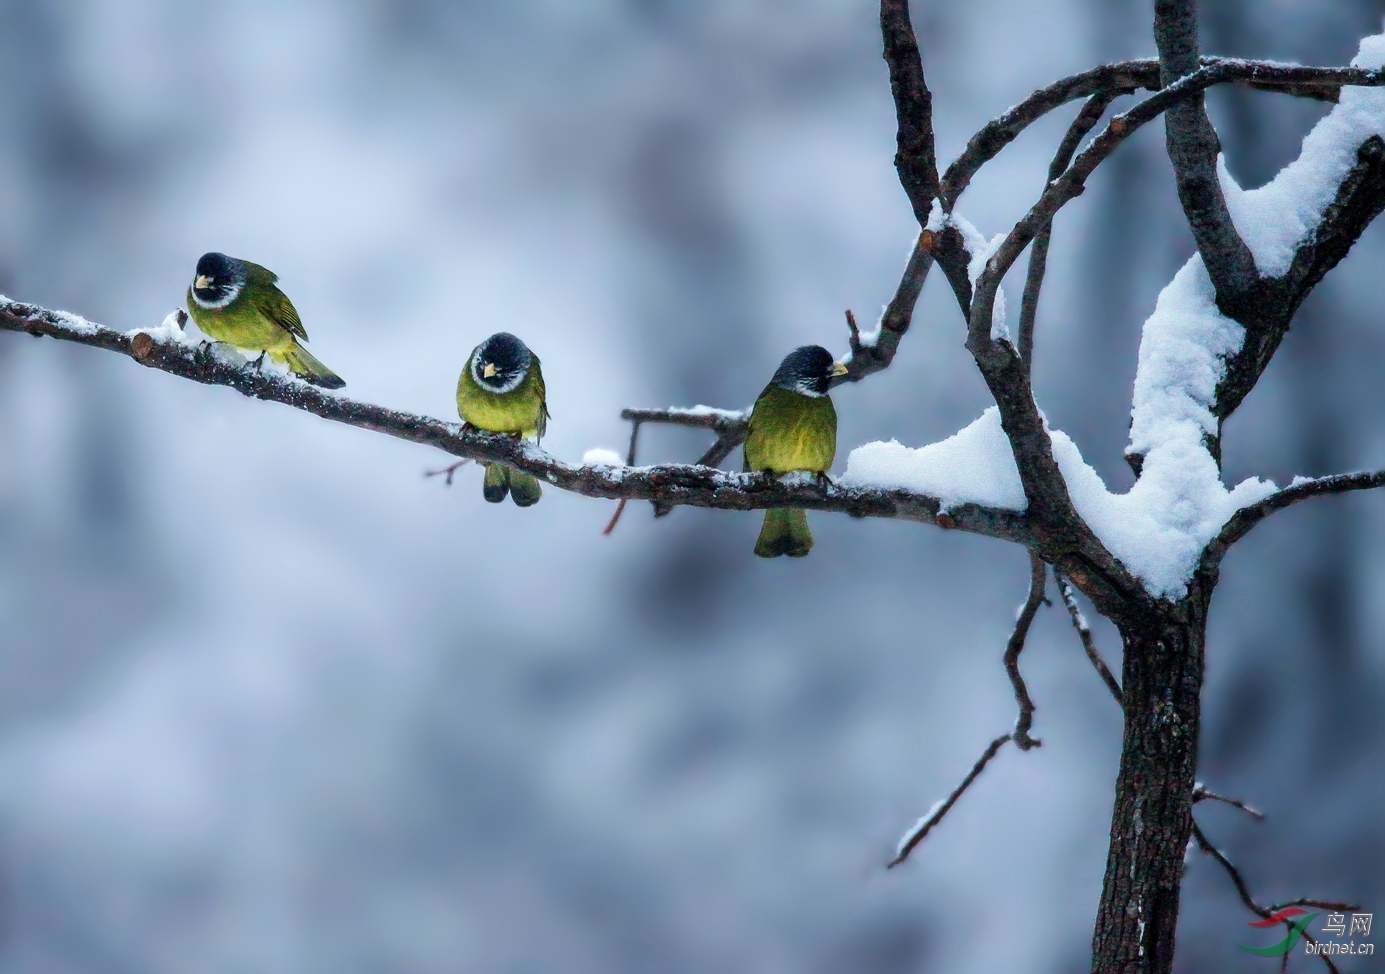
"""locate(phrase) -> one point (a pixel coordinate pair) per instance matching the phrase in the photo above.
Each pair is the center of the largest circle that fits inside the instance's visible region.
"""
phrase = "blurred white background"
(270, 700)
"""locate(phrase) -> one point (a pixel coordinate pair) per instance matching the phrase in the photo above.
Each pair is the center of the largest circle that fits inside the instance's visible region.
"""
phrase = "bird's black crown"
(509, 357)
(807, 369)
(219, 274)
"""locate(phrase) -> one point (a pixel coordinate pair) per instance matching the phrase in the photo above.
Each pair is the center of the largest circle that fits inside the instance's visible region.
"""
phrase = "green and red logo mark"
(1291, 938)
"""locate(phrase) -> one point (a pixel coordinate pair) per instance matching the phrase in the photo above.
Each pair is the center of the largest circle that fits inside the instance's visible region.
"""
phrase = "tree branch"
(1302, 81)
(1200, 794)
(698, 486)
(1243, 892)
(1359, 200)
(935, 815)
(995, 135)
(915, 159)
(1241, 523)
(1193, 148)
(1084, 633)
(630, 455)
(1038, 576)
(875, 353)
(1038, 252)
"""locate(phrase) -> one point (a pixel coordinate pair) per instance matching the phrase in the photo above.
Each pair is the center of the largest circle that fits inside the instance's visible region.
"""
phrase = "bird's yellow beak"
(202, 283)
(838, 368)
(489, 370)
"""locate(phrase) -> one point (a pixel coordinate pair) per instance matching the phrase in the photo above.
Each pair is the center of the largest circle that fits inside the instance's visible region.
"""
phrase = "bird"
(793, 426)
(239, 303)
(501, 390)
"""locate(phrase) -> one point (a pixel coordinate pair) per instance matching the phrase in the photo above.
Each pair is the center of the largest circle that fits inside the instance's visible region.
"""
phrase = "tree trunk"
(1152, 819)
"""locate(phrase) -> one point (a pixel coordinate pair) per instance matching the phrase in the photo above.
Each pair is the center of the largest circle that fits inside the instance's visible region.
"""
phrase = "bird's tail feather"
(305, 365)
(524, 489)
(785, 532)
(497, 483)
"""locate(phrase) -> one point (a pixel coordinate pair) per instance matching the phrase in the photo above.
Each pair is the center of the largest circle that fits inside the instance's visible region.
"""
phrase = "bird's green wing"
(275, 305)
(542, 390)
(271, 302)
(753, 432)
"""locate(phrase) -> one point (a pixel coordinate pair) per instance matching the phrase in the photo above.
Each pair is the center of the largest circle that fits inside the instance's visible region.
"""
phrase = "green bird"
(501, 390)
(793, 426)
(239, 303)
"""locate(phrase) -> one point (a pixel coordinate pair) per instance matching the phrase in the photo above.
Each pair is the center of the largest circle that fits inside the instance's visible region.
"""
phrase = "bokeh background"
(270, 700)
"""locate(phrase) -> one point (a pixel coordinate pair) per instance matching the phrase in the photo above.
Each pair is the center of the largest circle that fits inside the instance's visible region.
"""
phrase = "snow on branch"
(1301, 489)
(672, 484)
(935, 814)
(1277, 218)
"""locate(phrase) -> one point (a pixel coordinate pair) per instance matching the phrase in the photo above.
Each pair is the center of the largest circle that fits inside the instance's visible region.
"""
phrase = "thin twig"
(447, 471)
(1038, 576)
(1084, 633)
(1200, 793)
(925, 825)
(1038, 251)
(1243, 892)
(1215, 71)
(629, 462)
(1322, 83)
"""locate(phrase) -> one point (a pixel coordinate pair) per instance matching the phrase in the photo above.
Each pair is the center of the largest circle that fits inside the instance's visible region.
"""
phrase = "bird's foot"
(258, 364)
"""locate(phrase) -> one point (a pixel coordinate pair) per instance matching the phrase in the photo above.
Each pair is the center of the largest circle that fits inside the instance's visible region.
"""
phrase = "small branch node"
(447, 472)
(141, 347)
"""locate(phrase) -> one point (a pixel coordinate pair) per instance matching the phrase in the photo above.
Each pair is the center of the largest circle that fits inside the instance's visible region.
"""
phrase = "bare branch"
(718, 421)
(1084, 633)
(876, 354)
(1038, 252)
(1241, 523)
(629, 462)
(698, 486)
(1200, 793)
(1038, 575)
(447, 472)
(1073, 182)
(1243, 892)
(915, 160)
(1193, 148)
(935, 815)
(995, 135)
(1291, 79)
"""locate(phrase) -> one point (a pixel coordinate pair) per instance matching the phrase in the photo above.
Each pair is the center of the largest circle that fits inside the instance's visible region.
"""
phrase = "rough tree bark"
(1152, 818)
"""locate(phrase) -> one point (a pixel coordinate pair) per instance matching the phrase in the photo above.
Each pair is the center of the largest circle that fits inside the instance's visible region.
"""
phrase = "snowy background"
(272, 701)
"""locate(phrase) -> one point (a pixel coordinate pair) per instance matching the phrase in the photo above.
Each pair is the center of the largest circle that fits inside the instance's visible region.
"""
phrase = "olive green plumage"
(501, 390)
(239, 303)
(793, 426)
